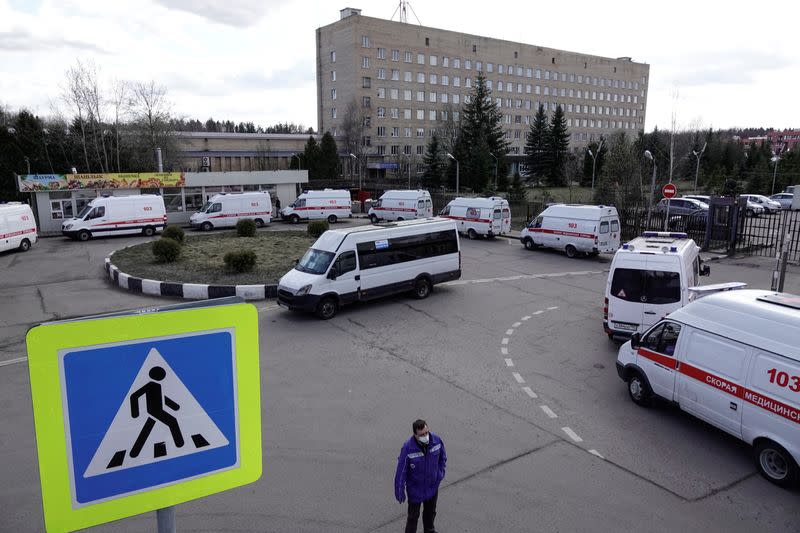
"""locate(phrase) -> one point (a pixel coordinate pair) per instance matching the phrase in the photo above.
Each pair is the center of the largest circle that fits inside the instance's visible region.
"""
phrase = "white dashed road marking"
(516, 324)
(518, 377)
(504, 341)
(549, 412)
(571, 434)
(504, 350)
(509, 332)
(526, 318)
(12, 361)
(595, 452)
(525, 276)
(552, 308)
(530, 392)
(538, 312)
(509, 362)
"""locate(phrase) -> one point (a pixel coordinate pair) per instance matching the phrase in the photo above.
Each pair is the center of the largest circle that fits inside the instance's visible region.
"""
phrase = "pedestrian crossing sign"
(140, 411)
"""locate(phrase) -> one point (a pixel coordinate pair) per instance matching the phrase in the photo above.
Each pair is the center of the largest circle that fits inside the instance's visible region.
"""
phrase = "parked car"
(702, 197)
(698, 220)
(784, 199)
(680, 206)
(753, 209)
(770, 206)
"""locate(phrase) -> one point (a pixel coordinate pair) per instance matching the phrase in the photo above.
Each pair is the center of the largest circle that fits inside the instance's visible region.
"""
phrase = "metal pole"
(782, 256)
(774, 174)
(594, 164)
(160, 162)
(652, 192)
(28, 162)
(666, 220)
(696, 172)
(458, 176)
(165, 518)
(409, 173)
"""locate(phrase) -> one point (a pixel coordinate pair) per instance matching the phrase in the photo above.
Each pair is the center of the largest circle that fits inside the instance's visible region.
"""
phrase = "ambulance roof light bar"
(705, 290)
(672, 234)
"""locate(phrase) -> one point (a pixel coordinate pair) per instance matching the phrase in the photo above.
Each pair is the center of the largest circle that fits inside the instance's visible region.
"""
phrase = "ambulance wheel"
(332, 219)
(84, 235)
(373, 218)
(571, 251)
(206, 226)
(294, 219)
(259, 223)
(422, 289)
(400, 219)
(775, 463)
(25, 245)
(472, 234)
(639, 390)
(149, 231)
(327, 308)
(530, 245)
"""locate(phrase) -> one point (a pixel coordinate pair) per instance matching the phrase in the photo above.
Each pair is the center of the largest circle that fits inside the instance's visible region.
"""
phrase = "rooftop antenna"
(403, 8)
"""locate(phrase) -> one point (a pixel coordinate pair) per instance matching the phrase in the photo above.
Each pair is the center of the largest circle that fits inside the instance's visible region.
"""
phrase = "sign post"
(142, 410)
(668, 191)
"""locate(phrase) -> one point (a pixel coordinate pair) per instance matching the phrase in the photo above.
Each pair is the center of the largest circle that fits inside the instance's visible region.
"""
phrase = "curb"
(192, 291)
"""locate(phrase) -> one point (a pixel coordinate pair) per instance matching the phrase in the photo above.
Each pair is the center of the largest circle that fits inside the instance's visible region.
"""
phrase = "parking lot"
(509, 365)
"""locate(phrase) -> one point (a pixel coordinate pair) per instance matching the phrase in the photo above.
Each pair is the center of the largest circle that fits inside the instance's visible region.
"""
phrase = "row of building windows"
(509, 70)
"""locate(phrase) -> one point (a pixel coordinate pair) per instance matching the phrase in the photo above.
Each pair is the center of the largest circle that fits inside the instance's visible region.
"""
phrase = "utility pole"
(159, 160)
(594, 160)
(698, 155)
(458, 177)
(649, 156)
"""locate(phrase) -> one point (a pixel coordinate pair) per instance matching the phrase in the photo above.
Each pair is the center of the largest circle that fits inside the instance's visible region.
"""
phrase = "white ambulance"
(225, 210)
(327, 204)
(650, 277)
(402, 205)
(576, 229)
(17, 227)
(118, 215)
(367, 262)
(488, 217)
(731, 359)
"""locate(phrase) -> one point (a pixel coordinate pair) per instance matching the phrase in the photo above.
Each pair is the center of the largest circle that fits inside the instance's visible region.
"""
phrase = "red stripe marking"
(314, 207)
(483, 220)
(123, 222)
(565, 233)
(669, 362)
(394, 209)
(18, 233)
(242, 215)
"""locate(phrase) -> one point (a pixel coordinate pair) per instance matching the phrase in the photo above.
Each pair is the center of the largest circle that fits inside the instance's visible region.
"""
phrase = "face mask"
(425, 439)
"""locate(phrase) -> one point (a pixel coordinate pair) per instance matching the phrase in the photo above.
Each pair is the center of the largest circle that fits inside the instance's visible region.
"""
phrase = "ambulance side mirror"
(636, 339)
(705, 270)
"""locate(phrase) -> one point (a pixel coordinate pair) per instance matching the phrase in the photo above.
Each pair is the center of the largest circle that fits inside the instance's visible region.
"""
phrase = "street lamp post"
(649, 156)
(299, 161)
(775, 171)
(458, 170)
(698, 155)
(594, 160)
(408, 158)
(495, 170)
(359, 170)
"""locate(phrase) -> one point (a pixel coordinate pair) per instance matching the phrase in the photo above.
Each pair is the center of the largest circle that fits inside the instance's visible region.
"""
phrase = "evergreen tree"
(537, 156)
(558, 148)
(517, 194)
(311, 156)
(480, 134)
(328, 164)
(434, 162)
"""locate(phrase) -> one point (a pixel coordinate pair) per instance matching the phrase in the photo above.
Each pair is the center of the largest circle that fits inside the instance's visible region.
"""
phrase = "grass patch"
(201, 260)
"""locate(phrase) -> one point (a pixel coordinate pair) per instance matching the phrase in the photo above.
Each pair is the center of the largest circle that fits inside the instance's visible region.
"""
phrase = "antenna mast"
(402, 9)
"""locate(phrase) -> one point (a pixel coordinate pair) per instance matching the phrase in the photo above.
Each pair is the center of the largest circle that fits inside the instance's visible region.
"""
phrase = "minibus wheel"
(25, 245)
(149, 231)
(639, 390)
(529, 244)
(775, 463)
(327, 308)
(373, 218)
(206, 226)
(472, 234)
(84, 235)
(571, 251)
(259, 223)
(422, 289)
(294, 219)
(332, 219)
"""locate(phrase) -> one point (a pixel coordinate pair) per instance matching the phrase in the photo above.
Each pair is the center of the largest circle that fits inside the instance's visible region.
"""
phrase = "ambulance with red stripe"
(402, 205)
(118, 215)
(17, 227)
(487, 217)
(225, 210)
(577, 229)
(327, 204)
(731, 359)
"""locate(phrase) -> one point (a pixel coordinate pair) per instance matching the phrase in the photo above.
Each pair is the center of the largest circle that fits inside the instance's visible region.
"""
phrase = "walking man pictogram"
(155, 399)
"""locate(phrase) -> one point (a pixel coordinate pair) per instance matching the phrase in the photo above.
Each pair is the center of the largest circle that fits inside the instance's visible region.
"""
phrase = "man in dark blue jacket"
(420, 469)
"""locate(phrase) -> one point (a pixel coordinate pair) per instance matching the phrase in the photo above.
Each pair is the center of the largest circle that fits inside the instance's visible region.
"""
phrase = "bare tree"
(93, 98)
(72, 95)
(120, 92)
(151, 114)
(353, 130)
(451, 125)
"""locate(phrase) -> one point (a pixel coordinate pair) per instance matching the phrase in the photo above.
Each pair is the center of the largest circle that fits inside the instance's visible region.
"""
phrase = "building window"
(366, 141)
(394, 112)
(468, 82)
(408, 76)
(528, 72)
(366, 102)
(490, 67)
(456, 81)
(420, 148)
(427, 41)
(381, 112)
(479, 66)
(333, 56)
(381, 150)
(367, 122)
(456, 99)
(433, 60)
(467, 64)
(407, 132)
(381, 53)
(445, 80)
(432, 115)
(474, 48)
(407, 94)
(420, 114)
(432, 78)
(407, 56)
(381, 73)
(457, 63)
(365, 62)
(395, 150)
(333, 112)
(366, 82)
(420, 132)
(420, 96)
(538, 73)
(432, 97)
(420, 77)
(407, 149)
(364, 41)
(381, 92)
(333, 75)
(420, 59)
(333, 94)
(445, 61)
(394, 94)
(407, 114)
(443, 97)
(395, 131)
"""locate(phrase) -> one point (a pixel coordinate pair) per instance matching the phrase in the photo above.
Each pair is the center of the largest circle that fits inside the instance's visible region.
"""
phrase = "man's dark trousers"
(428, 514)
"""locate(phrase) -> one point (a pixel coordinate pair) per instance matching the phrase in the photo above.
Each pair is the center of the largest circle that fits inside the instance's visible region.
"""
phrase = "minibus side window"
(215, 208)
(537, 223)
(345, 263)
(628, 284)
(663, 338)
(604, 227)
(445, 211)
(614, 226)
(497, 214)
(662, 287)
(421, 204)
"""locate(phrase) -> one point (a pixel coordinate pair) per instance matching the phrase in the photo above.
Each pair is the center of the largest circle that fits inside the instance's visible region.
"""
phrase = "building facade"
(403, 82)
(239, 152)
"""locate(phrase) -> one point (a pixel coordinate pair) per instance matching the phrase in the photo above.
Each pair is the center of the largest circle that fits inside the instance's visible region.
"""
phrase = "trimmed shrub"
(166, 250)
(175, 233)
(317, 228)
(246, 227)
(241, 260)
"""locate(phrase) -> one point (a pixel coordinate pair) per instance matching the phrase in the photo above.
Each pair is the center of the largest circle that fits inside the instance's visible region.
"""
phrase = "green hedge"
(166, 250)
(175, 233)
(241, 260)
(246, 227)
(317, 228)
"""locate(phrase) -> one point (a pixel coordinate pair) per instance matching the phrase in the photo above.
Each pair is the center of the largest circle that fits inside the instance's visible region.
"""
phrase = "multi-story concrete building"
(406, 82)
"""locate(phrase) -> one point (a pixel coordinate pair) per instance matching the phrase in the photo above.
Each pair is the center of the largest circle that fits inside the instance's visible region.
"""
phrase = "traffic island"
(200, 271)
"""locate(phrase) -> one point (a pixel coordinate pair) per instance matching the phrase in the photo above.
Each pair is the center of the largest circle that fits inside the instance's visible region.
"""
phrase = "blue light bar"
(674, 235)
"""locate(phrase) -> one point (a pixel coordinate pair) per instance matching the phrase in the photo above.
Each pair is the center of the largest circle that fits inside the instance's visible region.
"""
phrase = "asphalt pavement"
(509, 365)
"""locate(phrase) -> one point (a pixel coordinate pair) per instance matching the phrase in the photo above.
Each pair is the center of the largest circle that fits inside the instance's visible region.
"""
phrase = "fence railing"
(763, 235)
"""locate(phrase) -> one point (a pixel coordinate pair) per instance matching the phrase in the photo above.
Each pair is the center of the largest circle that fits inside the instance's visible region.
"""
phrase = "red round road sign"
(669, 190)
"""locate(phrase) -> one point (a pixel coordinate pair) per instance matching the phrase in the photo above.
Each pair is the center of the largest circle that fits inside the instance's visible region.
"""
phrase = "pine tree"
(558, 147)
(517, 193)
(480, 134)
(311, 158)
(328, 164)
(536, 152)
(434, 163)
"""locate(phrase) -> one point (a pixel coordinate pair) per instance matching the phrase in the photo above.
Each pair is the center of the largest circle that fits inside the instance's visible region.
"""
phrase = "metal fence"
(763, 235)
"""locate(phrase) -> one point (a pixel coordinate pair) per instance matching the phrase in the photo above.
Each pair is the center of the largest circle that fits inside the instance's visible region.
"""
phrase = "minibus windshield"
(205, 207)
(314, 262)
(86, 209)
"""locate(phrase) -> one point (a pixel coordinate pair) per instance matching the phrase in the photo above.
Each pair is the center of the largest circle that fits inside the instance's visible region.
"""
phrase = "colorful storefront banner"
(136, 180)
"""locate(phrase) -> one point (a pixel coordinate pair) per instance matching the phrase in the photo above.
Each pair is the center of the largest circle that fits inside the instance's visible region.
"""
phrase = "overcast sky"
(731, 64)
